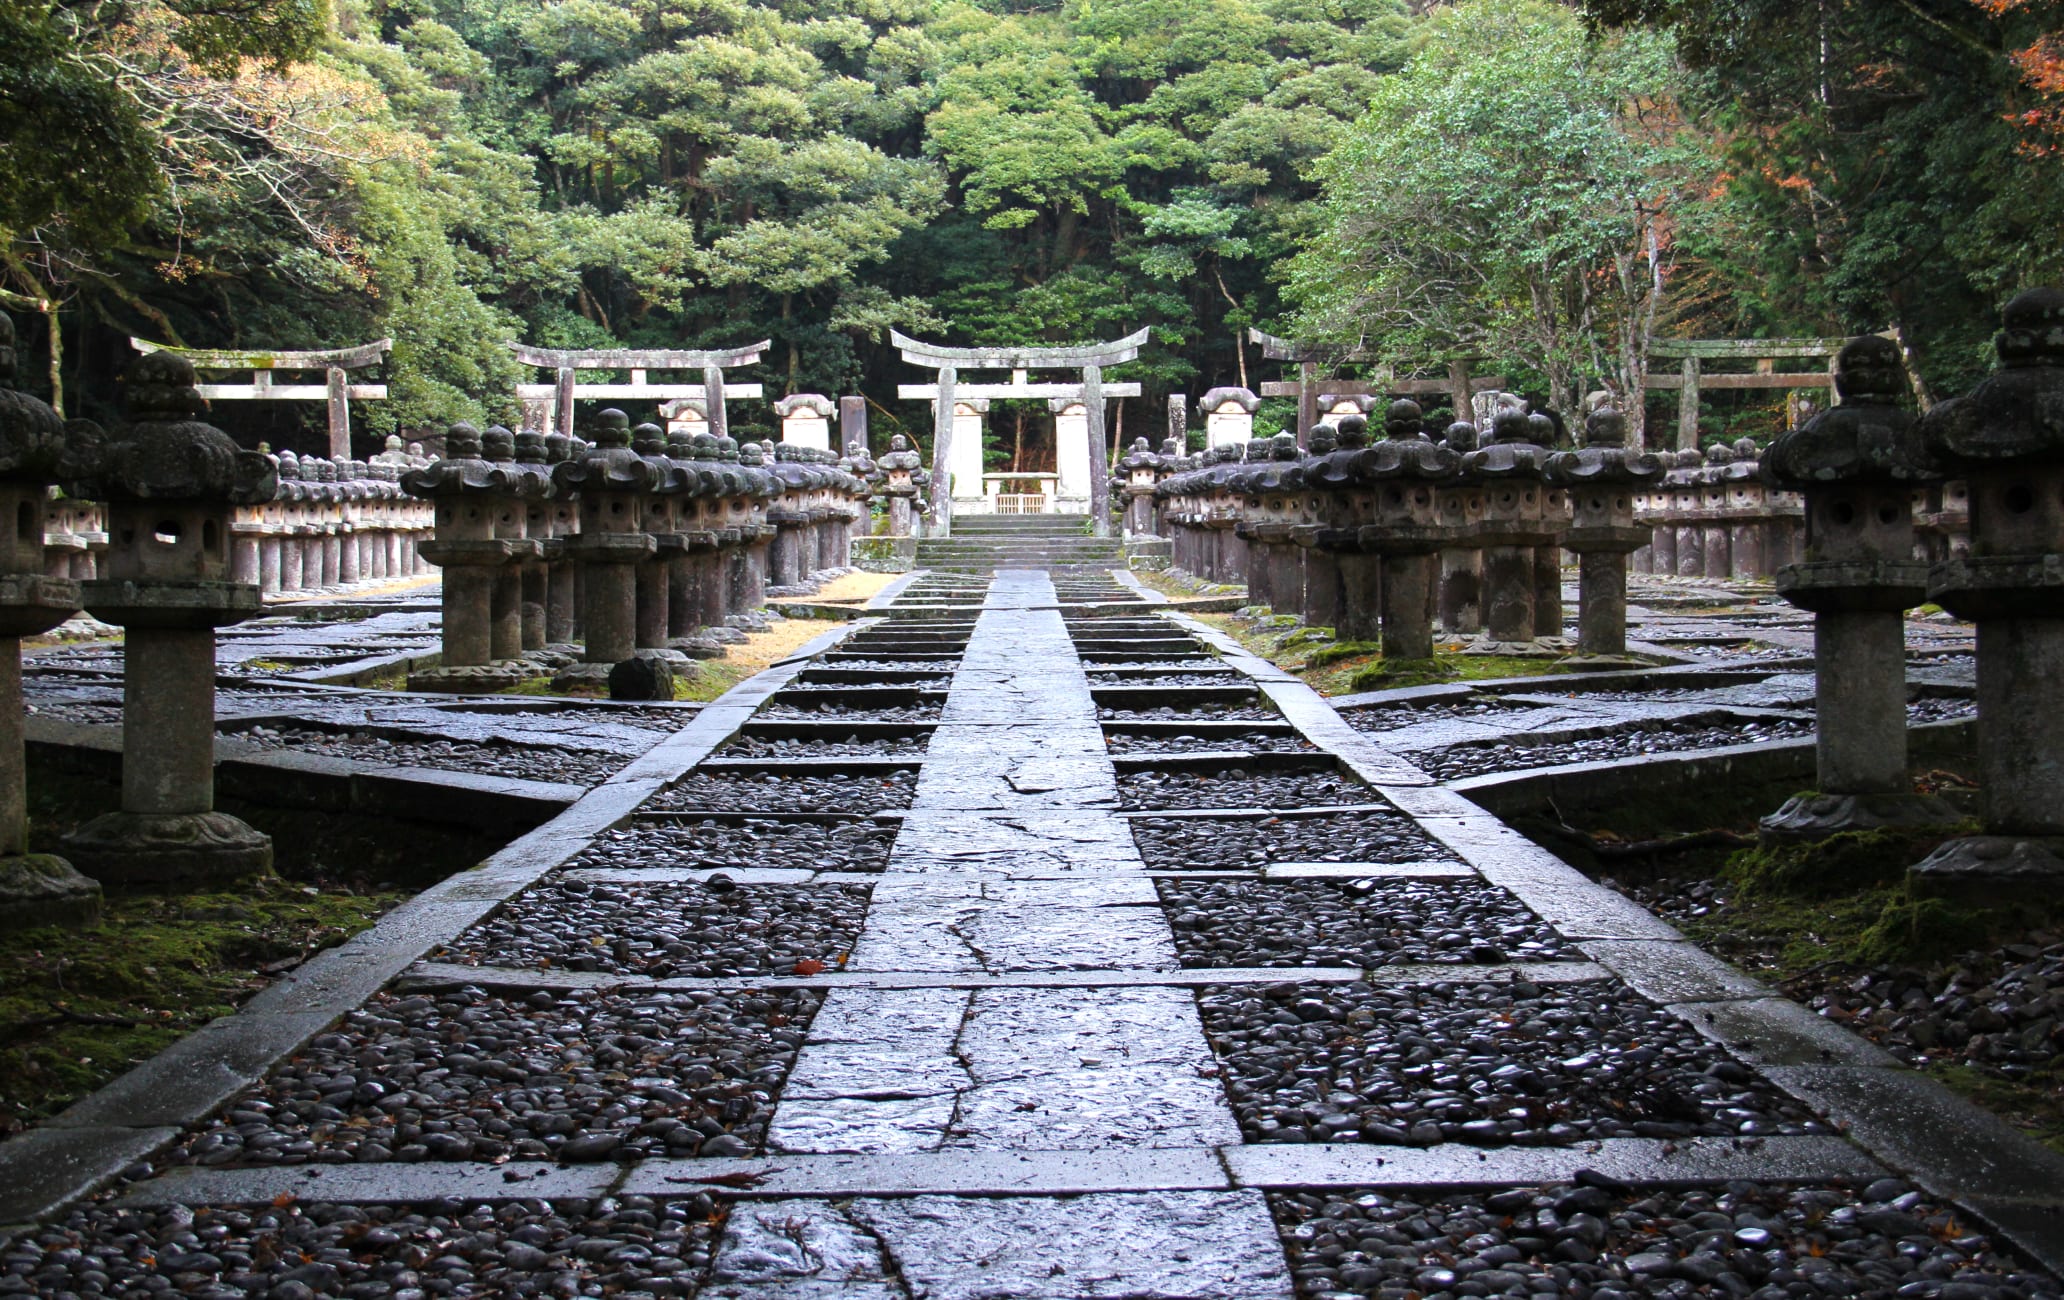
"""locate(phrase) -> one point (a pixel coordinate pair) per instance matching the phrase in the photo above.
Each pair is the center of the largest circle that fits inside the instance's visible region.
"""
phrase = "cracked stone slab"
(1022, 844)
(1633, 1160)
(930, 933)
(1135, 1246)
(1673, 970)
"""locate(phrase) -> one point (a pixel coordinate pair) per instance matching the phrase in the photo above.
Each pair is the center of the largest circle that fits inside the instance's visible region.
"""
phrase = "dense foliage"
(1543, 185)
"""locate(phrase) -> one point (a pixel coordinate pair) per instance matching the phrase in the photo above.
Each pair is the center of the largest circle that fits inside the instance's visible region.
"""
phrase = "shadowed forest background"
(1541, 186)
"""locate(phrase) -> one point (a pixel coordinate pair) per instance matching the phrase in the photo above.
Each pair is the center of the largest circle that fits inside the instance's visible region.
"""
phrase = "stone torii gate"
(336, 389)
(1693, 353)
(1088, 358)
(1456, 387)
(557, 398)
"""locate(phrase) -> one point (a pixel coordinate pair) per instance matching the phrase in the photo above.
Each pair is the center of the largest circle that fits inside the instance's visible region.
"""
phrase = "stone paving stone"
(1196, 1245)
(1016, 926)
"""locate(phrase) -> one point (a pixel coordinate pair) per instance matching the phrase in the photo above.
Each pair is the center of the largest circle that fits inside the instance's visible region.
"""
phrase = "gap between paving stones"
(1949, 1146)
(85, 1147)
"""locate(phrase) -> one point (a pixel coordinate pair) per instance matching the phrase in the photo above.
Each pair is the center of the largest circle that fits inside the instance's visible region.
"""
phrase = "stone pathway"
(1072, 1049)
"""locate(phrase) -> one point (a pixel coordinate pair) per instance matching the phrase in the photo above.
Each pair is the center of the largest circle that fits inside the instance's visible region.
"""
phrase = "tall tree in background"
(1886, 165)
(1511, 194)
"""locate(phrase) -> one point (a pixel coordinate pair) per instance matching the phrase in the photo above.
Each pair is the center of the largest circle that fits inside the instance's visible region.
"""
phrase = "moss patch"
(1838, 864)
(78, 1007)
(1348, 667)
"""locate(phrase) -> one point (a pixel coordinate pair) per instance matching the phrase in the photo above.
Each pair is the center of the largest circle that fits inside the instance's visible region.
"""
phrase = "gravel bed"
(912, 747)
(1211, 709)
(1352, 923)
(666, 930)
(1263, 742)
(1600, 1237)
(89, 715)
(1393, 717)
(808, 846)
(1235, 787)
(1154, 665)
(939, 683)
(1230, 844)
(943, 665)
(1472, 759)
(1490, 1063)
(781, 706)
(1227, 678)
(1939, 708)
(785, 792)
(575, 1077)
(1997, 1009)
(300, 1250)
(526, 762)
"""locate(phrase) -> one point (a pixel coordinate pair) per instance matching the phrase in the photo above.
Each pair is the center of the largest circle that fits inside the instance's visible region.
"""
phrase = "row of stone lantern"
(170, 485)
(1715, 514)
(639, 543)
(1384, 539)
(333, 524)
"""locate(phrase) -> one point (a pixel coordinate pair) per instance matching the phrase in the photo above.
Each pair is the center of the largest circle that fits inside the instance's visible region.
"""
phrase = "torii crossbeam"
(1088, 358)
(566, 387)
(336, 389)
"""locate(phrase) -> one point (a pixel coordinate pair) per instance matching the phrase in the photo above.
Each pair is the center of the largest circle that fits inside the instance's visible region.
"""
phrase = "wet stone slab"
(1490, 1063)
(704, 845)
(1367, 923)
(664, 930)
(1877, 1239)
(1103, 1246)
(299, 1250)
(576, 1077)
(900, 1072)
(1243, 844)
(1481, 759)
(1236, 787)
(780, 792)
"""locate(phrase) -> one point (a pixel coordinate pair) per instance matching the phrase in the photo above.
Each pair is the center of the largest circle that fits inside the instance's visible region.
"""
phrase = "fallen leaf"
(809, 966)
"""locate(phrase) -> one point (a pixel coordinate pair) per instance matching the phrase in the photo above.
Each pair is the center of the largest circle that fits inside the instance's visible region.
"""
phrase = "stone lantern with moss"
(172, 483)
(613, 482)
(35, 888)
(1602, 479)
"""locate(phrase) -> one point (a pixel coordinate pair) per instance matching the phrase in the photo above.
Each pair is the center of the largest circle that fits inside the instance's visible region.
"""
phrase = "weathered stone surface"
(39, 889)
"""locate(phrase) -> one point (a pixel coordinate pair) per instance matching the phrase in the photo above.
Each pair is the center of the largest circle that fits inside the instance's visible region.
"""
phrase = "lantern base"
(41, 889)
(1993, 868)
(1817, 816)
(169, 848)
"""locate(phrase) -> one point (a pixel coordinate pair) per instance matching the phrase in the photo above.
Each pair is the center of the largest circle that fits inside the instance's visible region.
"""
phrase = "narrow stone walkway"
(1010, 861)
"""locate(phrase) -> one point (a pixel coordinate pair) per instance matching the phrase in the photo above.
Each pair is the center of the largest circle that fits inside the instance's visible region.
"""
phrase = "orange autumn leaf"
(809, 966)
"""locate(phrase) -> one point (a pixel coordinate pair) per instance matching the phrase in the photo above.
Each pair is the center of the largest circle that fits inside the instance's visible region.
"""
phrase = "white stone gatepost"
(1228, 417)
(806, 420)
(964, 457)
(1071, 455)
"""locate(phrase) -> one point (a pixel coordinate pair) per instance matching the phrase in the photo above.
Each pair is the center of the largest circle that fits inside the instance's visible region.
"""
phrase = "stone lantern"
(1546, 432)
(473, 544)
(1320, 508)
(2005, 439)
(1459, 606)
(533, 464)
(1403, 473)
(756, 533)
(518, 488)
(1858, 465)
(662, 522)
(1337, 448)
(1602, 479)
(171, 484)
(899, 469)
(562, 612)
(612, 481)
(1515, 524)
(35, 888)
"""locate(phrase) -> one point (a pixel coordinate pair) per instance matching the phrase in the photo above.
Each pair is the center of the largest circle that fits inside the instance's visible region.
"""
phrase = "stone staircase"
(986, 543)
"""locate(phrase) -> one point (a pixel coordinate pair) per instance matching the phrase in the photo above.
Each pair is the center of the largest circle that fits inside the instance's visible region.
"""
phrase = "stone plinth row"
(642, 546)
(1386, 538)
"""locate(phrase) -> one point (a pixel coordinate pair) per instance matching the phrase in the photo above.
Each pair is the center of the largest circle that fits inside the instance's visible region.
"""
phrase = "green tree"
(1509, 194)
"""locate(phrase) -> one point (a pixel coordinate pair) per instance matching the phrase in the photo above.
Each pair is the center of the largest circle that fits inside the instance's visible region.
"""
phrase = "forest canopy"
(1539, 185)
